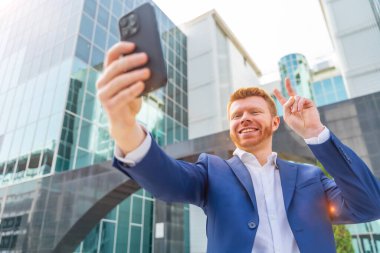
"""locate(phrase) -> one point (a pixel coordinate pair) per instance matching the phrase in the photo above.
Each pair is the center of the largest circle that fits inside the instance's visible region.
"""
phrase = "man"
(254, 202)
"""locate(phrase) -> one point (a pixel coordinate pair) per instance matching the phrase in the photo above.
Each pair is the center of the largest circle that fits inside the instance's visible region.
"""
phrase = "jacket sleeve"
(354, 194)
(168, 179)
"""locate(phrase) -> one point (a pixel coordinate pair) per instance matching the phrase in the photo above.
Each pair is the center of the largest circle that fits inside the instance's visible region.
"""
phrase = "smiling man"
(253, 119)
(254, 202)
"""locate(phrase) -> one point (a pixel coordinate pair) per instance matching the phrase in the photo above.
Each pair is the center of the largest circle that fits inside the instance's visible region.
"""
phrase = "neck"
(260, 151)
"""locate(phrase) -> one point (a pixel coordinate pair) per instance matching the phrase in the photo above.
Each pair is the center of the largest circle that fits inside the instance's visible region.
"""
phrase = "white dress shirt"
(273, 233)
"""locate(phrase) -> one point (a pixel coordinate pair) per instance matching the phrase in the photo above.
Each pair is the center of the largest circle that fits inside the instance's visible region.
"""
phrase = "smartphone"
(140, 27)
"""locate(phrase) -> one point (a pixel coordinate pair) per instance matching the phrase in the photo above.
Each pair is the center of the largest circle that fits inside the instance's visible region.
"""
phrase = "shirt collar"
(243, 155)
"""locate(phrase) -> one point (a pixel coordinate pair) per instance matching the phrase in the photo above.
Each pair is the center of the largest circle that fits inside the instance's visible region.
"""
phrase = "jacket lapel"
(288, 175)
(244, 177)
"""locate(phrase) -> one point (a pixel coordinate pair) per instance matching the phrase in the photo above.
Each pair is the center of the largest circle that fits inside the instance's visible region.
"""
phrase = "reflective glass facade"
(36, 50)
(51, 56)
(375, 5)
(328, 91)
(365, 237)
(296, 68)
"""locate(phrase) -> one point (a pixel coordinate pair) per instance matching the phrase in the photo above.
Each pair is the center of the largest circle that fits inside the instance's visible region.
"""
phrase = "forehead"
(249, 103)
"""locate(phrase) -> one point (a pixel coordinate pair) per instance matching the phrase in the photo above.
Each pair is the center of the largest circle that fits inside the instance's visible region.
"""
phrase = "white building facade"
(354, 27)
(217, 65)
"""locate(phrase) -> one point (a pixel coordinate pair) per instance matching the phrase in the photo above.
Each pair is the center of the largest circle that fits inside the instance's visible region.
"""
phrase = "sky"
(267, 29)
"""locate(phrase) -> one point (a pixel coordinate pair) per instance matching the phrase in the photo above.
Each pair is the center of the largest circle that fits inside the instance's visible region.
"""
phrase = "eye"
(255, 112)
(236, 116)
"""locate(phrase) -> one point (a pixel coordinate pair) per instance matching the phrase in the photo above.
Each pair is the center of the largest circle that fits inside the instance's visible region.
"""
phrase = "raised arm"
(118, 90)
(354, 196)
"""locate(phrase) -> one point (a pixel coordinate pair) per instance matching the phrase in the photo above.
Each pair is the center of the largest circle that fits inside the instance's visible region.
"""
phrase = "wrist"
(314, 132)
(128, 138)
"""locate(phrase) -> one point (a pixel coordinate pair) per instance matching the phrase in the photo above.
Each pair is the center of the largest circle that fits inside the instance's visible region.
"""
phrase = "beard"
(264, 135)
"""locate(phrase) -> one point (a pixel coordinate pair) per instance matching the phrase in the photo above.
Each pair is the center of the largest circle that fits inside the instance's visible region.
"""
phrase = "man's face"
(251, 123)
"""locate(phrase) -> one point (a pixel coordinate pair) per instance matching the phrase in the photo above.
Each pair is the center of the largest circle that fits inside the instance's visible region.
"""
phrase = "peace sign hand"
(300, 114)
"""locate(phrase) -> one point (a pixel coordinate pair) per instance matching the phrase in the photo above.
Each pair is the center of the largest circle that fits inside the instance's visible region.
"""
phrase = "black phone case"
(140, 27)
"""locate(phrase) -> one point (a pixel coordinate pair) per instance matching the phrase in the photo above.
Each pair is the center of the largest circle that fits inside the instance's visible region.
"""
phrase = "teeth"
(248, 130)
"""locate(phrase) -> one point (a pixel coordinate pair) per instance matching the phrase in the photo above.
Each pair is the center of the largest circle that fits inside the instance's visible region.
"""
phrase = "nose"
(245, 118)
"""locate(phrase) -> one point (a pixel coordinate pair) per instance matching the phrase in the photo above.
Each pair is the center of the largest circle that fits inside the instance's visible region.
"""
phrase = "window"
(85, 137)
(327, 85)
(83, 49)
(47, 160)
(84, 159)
(86, 27)
(90, 107)
(55, 123)
(298, 79)
(39, 139)
(91, 81)
(106, 3)
(112, 40)
(97, 58)
(103, 17)
(100, 37)
(114, 26)
(170, 108)
(117, 8)
(90, 7)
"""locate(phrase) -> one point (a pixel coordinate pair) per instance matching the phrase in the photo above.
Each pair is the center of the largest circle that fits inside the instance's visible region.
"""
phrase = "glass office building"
(296, 68)
(51, 56)
(329, 90)
(365, 237)
(375, 5)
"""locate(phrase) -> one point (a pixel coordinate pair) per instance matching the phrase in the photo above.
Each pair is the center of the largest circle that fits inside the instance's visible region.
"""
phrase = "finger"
(117, 50)
(289, 87)
(288, 106)
(305, 103)
(124, 97)
(279, 96)
(295, 104)
(120, 66)
(300, 104)
(122, 82)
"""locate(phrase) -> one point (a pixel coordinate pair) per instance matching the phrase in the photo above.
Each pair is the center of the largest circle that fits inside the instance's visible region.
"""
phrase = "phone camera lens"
(133, 30)
(132, 19)
(125, 31)
(124, 21)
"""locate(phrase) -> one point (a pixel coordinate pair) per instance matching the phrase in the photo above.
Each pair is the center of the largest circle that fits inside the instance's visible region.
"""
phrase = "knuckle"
(105, 63)
(108, 57)
(100, 95)
(121, 64)
(126, 93)
(118, 100)
(108, 105)
(98, 83)
(147, 72)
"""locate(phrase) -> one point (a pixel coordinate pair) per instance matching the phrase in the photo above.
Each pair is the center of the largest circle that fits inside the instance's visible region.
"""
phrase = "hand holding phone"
(123, 78)
(140, 27)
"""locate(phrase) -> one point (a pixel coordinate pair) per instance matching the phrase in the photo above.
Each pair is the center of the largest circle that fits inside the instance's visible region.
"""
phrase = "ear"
(275, 123)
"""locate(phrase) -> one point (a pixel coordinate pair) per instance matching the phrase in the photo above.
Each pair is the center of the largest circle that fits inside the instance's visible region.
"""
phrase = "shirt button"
(252, 225)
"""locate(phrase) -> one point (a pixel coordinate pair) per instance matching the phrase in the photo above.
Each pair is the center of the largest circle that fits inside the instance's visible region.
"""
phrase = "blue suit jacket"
(225, 192)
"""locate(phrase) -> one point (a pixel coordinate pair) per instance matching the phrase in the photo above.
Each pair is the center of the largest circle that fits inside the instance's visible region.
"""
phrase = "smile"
(248, 130)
